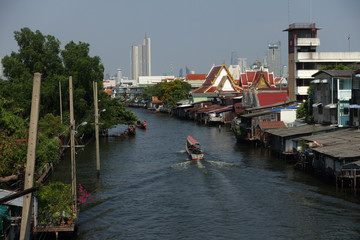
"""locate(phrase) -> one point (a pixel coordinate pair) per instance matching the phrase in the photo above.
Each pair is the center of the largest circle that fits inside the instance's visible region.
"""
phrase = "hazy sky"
(193, 33)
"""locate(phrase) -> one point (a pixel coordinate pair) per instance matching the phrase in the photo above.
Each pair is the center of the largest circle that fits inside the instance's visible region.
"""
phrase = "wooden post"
(354, 181)
(61, 117)
(96, 127)
(30, 158)
(72, 146)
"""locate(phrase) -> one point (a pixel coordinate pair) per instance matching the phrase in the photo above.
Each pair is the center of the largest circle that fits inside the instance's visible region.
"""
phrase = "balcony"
(305, 73)
(301, 90)
(328, 57)
(345, 95)
(306, 42)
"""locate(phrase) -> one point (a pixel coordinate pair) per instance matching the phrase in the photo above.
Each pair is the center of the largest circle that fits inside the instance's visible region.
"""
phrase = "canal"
(148, 190)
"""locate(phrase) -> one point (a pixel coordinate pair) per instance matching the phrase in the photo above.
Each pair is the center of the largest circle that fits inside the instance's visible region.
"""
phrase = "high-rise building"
(242, 62)
(181, 73)
(234, 58)
(134, 62)
(119, 76)
(140, 58)
(304, 60)
(146, 57)
(273, 58)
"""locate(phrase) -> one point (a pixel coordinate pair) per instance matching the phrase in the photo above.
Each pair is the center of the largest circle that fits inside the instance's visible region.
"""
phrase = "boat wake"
(221, 164)
(181, 165)
(181, 151)
(201, 166)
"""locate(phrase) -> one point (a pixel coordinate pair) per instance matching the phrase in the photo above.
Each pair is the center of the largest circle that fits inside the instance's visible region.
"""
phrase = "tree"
(37, 53)
(168, 92)
(305, 109)
(335, 67)
(84, 71)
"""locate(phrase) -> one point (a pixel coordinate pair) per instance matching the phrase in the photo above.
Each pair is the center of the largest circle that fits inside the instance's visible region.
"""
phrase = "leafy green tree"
(51, 126)
(168, 92)
(10, 119)
(84, 71)
(12, 155)
(305, 109)
(335, 67)
(115, 113)
(37, 53)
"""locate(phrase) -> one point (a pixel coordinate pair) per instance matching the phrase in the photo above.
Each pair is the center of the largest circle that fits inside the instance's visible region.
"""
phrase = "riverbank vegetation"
(168, 92)
(42, 53)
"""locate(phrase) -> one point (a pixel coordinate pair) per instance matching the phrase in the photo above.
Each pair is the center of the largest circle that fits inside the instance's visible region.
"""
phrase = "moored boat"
(193, 149)
(131, 130)
(141, 124)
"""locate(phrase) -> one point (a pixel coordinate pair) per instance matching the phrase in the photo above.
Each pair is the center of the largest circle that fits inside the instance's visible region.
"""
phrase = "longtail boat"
(193, 149)
(140, 124)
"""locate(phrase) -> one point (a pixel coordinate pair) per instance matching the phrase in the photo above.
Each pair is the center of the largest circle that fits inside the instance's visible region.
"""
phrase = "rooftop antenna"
(310, 11)
(288, 12)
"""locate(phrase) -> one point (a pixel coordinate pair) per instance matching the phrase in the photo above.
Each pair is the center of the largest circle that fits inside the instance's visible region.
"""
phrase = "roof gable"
(218, 79)
(201, 77)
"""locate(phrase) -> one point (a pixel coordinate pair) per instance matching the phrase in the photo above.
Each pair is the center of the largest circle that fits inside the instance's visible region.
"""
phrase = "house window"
(356, 83)
(346, 111)
(345, 84)
(356, 112)
(320, 109)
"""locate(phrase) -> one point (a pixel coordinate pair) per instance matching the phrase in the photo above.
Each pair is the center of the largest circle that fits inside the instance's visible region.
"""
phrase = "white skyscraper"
(134, 62)
(141, 59)
(146, 56)
(119, 76)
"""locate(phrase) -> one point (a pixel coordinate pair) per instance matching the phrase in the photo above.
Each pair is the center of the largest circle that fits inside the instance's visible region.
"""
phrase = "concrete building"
(234, 58)
(140, 59)
(273, 58)
(242, 62)
(235, 71)
(119, 76)
(146, 57)
(304, 60)
(148, 80)
(134, 62)
(331, 98)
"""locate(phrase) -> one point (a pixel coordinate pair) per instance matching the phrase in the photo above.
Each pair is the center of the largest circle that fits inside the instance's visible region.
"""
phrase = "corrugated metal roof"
(335, 137)
(293, 131)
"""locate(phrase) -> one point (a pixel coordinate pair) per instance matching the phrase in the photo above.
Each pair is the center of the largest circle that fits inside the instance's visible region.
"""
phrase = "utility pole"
(96, 127)
(72, 146)
(60, 103)
(30, 159)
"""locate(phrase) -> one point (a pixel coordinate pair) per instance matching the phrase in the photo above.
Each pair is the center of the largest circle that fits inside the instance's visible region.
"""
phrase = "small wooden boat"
(141, 124)
(193, 149)
(131, 130)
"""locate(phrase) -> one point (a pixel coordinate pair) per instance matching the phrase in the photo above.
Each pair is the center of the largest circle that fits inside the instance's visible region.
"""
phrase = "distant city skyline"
(203, 40)
(140, 59)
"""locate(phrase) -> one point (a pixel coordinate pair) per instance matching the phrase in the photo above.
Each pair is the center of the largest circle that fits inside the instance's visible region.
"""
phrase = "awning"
(332, 105)
(316, 81)
(316, 104)
(354, 106)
